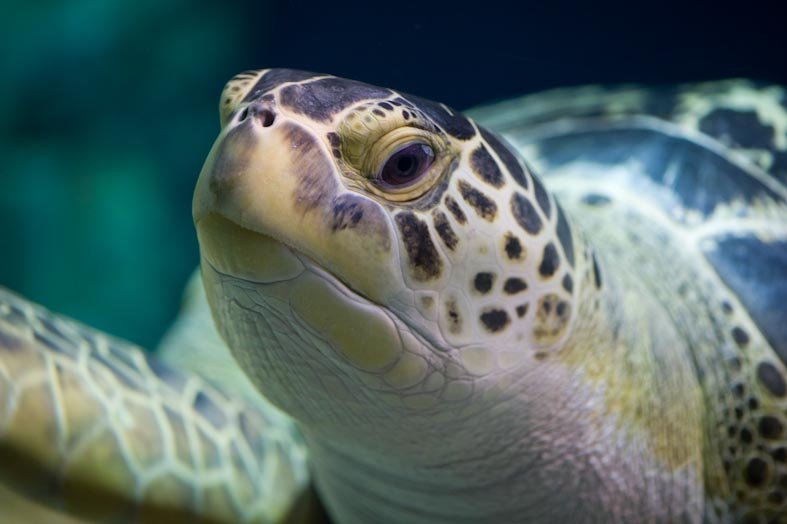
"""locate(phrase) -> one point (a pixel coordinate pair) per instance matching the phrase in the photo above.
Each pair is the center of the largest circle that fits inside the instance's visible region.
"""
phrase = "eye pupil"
(407, 164)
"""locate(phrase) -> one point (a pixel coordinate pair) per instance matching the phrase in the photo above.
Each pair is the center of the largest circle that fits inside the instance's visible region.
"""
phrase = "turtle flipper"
(92, 426)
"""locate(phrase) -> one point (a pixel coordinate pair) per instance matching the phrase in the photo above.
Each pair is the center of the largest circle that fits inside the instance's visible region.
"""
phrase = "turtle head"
(371, 256)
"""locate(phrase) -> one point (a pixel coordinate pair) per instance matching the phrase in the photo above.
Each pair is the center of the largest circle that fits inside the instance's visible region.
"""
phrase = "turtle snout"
(262, 112)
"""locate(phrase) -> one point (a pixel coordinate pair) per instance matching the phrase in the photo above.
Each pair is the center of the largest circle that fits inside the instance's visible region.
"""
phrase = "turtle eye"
(407, 164)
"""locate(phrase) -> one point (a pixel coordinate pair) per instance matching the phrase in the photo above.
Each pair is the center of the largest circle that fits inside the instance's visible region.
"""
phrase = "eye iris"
(407, 164)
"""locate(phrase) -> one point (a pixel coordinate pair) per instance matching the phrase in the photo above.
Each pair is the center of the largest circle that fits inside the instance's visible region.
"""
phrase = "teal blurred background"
(107, 111)
(108, 108)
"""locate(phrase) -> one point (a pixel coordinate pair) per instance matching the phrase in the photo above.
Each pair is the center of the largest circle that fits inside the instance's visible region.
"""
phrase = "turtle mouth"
(234, 250)
(359, 331)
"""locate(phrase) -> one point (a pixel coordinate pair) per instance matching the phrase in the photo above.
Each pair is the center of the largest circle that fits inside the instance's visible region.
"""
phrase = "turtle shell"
(713, 156)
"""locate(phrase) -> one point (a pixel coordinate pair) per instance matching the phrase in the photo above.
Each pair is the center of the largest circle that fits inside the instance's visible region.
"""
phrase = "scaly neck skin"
(572, 441)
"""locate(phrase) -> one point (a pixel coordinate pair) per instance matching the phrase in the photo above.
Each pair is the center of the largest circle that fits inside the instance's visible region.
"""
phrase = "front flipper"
(93, 427)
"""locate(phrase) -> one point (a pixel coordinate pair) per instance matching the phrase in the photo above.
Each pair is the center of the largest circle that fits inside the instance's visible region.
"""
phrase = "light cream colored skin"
(452, 347)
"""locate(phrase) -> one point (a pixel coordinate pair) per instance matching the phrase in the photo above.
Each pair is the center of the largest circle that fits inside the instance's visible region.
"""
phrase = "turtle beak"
(226, 206)
(246, 144)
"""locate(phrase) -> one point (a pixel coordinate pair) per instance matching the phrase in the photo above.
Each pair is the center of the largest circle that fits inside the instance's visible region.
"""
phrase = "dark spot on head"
(322, 99)
(337, 154)
(334, 139)
(542, 197)
(455, 210)
(525, 214)
(347, 212)
(513, 247)
(594, 199)
(452, 314)
(425, 261)
(756, 472)
(779, 454)
(740, 336)
(564, 235)
(514, 285)
(521, 310)
(735, 364)
(444, 230)
(484, 206)
(551, 318)
(494, 320)
(561, 308)
(385, 105)
(274, 78)
(405, 114)
(378, 112)
(770, 427)
(452, 122)
(726, 307)
(485, 167)
(738, 390)
(568, 283)
(772, 379)
(596, 272)
(483, 282)
(753, 403)
(746, 436)
(506, 156)
(550, 261)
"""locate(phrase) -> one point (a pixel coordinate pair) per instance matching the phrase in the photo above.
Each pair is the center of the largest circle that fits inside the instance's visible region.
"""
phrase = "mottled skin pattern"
(465, 348)
(91, 427)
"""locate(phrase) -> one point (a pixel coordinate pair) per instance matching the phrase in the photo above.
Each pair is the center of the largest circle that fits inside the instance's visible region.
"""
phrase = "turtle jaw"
(234, 250)
(228, 242)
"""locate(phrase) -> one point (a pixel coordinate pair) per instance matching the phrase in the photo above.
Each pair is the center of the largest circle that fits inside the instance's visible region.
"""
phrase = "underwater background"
(108, 109)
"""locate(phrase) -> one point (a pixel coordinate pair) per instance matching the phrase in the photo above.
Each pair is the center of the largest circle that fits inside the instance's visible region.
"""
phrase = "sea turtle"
(451, 340)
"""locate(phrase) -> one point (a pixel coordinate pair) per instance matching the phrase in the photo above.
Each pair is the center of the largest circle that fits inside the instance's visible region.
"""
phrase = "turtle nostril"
(261, 112)
(267, 117)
